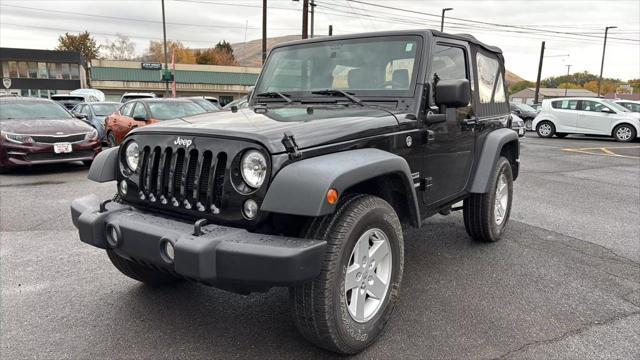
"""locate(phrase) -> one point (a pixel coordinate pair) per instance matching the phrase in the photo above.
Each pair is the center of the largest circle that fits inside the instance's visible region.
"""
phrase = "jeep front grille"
(188, 179)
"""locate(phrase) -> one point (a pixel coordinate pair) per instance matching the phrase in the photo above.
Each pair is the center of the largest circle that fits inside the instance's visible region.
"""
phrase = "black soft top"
(463, 37)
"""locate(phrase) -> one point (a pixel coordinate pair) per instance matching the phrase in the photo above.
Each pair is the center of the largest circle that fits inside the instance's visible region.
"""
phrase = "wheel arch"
(624, 122)
(301, 187)
(502, 142)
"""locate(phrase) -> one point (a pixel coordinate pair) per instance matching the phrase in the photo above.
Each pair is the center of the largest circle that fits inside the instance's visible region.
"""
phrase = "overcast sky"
(202, 23)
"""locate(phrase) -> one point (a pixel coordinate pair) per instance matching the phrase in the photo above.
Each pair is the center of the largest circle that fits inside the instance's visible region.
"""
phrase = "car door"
(593, 118)
(565, 115)
(449, 150)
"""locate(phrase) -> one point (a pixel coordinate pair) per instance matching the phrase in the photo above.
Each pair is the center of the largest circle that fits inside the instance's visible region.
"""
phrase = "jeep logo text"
(183, 142)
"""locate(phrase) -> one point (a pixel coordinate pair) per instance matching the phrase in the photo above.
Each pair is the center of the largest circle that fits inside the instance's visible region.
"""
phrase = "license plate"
(62, 148)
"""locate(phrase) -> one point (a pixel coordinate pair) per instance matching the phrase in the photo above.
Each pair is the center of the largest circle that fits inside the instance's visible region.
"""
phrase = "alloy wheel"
(502, 200)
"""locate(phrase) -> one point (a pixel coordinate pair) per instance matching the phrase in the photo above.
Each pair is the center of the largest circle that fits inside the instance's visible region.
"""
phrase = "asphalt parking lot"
(564, 283)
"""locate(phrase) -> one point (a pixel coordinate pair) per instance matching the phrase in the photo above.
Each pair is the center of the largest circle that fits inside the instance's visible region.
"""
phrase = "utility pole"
(313, 5)
(166, 59)
(537, 94)
(442, 20)
(264, 31)
(604, 47)
(330, 30)
(305, 19)
(567, 86)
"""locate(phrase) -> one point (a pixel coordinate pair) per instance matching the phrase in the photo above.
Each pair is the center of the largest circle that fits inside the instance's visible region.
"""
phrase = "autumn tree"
(608, 86)
(83, 43)
(635, 84)
(122, 48)
(520, 85)
(221, 54)
(155, 52)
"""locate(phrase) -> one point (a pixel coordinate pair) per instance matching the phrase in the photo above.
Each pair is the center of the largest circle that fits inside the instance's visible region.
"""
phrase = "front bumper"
(12, 154)
(220, 256)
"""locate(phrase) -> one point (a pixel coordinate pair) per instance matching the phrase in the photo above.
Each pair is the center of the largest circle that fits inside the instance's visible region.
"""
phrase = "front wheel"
(346, 307)
(528, 124)
(486, 215)
(546, 129)
(624, 133)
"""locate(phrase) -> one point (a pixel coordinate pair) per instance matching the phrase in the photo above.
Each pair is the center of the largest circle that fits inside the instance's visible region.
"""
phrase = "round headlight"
(254, 168)
(132, 154)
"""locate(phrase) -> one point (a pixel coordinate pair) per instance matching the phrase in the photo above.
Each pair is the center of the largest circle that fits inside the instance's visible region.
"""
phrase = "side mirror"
(453, 93)
(139, 118)
(80, 116)
(607, 110)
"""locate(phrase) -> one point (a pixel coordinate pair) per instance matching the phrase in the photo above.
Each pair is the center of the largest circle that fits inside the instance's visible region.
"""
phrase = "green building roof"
(182, 76)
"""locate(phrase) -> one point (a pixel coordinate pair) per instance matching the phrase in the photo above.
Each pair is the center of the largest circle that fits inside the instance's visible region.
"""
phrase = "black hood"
(323, 125)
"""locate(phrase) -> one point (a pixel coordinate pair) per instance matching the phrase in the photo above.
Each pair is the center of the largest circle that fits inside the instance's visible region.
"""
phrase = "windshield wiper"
(338, 92)
(275, 94)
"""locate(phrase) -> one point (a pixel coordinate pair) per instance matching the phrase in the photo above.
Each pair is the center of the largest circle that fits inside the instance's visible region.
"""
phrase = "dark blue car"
(95, 113)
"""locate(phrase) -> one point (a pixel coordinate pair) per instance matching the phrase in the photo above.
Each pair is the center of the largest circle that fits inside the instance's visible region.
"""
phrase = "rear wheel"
(487, 215)
(624, 133)
(111, 139)
(138, 272)
(546, 129)
(528, 124)
(347, 306)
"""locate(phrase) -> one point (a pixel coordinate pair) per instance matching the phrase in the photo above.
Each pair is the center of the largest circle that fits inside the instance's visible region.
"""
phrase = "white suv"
(589, 116)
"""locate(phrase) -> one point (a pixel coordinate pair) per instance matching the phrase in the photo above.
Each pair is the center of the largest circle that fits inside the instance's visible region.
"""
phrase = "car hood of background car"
(45, 126)
(320, 126)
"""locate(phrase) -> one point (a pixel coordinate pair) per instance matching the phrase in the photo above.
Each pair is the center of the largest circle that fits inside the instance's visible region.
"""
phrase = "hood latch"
(290, 145)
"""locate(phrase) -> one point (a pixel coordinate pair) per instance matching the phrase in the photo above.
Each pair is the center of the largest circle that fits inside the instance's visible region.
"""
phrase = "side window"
(78, 109)
(593, 106)
(86, 110)
(139, 110)
(126, 108)
(448, 63)
(488, 69)
(565, 104)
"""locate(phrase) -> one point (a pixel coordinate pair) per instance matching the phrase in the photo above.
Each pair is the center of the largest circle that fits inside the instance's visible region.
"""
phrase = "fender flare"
(104, 166)
(300, 188)
(493, 144)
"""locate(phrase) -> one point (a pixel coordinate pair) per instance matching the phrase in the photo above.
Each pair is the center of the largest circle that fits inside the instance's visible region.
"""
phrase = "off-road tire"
(478, 209)
(544, 134)
(319, 306)
(631, 131)
(138, 272)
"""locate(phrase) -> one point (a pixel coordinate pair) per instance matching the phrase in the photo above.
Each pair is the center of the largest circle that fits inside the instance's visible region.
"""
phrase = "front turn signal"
(332, 196)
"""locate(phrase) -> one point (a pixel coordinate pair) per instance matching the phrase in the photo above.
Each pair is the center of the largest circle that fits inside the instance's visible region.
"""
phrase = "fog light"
(169, 251)
(113, 236)
(250, 209)
(123, 187)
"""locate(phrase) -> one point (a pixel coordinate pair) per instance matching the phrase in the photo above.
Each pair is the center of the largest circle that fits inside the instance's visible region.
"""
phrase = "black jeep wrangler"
(346, 142)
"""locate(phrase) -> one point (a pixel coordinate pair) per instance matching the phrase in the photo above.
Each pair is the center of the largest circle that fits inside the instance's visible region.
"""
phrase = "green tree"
(83, 43)
(520, 85)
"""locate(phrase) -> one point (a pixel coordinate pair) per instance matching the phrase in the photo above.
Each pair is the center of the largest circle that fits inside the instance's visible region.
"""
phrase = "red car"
(39, 131)
(138, 113)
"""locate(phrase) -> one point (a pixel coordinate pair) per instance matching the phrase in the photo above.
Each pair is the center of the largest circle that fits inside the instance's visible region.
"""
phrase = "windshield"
(32, 110)
(205, 104)
(104, 109)
(369, 66)
(126, 98)
(616, 107)
(165, 110)
(525, 107)
(67, 98)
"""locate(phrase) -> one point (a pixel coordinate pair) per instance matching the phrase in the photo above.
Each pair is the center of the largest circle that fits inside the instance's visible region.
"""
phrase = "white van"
(590, 116)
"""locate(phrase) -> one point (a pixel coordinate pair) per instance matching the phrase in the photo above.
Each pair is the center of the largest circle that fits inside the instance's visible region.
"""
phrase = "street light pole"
(604, 47)
(264, 31)
(305, 19)
(567, 86)
(312, 10)
(442, 20)
(166, 59)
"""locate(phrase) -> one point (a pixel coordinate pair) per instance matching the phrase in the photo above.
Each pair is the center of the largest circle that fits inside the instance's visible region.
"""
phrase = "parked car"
(39, 131)
(203, 103)
(70, 101)
(213, 100)
(94, 92)
(590, 116)
(95, 114)
(133, 96)
(525, 113)
(633, 106)
(241, 103)
(518, 125)
(313, 185)
(139, 113)
(537, 107)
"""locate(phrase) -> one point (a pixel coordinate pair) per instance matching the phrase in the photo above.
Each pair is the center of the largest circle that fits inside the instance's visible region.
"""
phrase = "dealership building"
(41, 73)
(527, 96)
(227, 83)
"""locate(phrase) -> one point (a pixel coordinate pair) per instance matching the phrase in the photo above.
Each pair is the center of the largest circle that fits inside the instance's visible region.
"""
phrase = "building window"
(24, 92)
(75, 72)
(13, 69)
(33, 70)
(5, 69)
(42, 71)
(51, 68)
(66, 72)
(22, 69)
